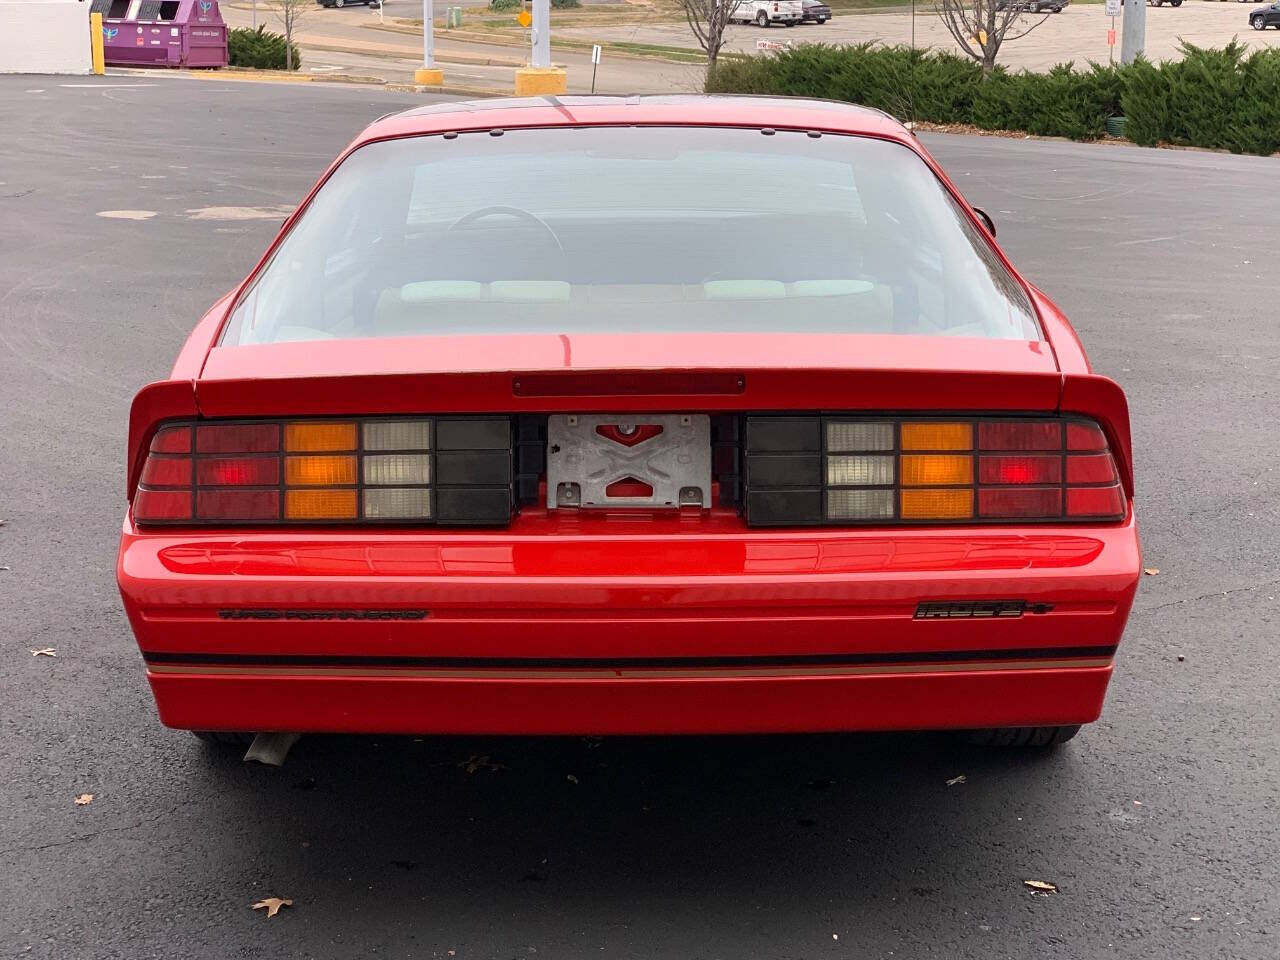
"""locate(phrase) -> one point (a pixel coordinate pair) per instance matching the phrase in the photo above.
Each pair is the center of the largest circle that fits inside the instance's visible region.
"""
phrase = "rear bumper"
(601, 706)
(572, 631)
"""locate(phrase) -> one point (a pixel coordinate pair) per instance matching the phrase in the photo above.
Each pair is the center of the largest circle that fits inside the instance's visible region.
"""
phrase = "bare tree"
(707, 19)
(980, 26)
(289, 13)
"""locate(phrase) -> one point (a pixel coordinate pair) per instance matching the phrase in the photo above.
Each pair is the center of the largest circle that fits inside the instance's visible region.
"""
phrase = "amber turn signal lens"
(937, 436)
(319, 471)
(320, 504)
(936, 471)
(937, 504)
(307, 437)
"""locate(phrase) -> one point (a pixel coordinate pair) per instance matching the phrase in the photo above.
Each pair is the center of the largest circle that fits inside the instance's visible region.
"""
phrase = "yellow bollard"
(95, 43)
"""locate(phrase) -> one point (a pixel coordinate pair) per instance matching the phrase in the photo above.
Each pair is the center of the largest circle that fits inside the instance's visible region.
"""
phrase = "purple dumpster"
(162, 33)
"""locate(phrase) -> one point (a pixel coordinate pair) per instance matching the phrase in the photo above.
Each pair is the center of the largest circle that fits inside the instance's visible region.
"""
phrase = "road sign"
(1112, 8)
(524, 18)
(1111, 38)
(595, 54)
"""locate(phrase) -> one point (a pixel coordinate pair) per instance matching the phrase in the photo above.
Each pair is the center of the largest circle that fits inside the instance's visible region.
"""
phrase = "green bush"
(870, 74)
(260, 49)
(1060, 103)
(565, 4)
(1217, 98)
(1210, 98)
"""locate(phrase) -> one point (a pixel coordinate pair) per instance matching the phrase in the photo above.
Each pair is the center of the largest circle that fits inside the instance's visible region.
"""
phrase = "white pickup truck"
(764, 12)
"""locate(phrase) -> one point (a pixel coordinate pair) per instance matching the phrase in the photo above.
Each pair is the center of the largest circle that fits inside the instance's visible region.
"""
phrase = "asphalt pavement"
(1159, 824)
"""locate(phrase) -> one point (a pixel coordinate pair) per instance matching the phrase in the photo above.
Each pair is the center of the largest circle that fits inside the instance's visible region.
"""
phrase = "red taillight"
(1034, 502)
(161, 471)
(1085, 435)
(883, 470)
(448, 470)
(172, 440)
(1100, 503)
(238, 471)
(162, 505)
(1035, 469)
(1025, 435)
(238, 438)
(1091, 468)
(232, 504)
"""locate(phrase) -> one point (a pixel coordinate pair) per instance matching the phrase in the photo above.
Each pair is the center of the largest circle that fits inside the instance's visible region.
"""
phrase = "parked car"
(513, 430)
(344, 3)
(765, 12)
(1161, 3)
(1035, 6)
(816, 12)
(1263, 17)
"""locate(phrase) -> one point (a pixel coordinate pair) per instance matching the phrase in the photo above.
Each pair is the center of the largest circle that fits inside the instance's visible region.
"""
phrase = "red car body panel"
(648, 622)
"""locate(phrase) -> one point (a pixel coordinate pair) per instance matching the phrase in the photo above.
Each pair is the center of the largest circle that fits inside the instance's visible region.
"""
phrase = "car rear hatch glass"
(633, 230)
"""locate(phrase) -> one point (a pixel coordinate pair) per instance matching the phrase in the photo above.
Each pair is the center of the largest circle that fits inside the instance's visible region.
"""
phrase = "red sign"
(1111, 38)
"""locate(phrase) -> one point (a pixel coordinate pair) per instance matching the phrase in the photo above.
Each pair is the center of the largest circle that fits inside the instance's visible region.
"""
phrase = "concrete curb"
(273, 76)
(443, 56)
(481, 93)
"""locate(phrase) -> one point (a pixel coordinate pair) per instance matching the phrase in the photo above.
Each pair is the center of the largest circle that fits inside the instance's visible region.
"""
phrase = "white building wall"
(44, 36)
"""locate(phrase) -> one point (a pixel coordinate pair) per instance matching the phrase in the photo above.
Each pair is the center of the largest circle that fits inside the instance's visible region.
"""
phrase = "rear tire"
(1019, 736)
(223, 738)
(762, 20)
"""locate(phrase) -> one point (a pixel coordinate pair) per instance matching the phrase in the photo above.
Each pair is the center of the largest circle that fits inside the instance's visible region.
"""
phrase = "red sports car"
(643, 415)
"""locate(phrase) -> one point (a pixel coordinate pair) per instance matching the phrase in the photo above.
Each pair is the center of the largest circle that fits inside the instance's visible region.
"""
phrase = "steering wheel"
(515, 212)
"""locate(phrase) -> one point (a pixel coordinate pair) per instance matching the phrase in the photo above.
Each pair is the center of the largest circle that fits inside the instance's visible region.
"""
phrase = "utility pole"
(1134, 37)
(541, 33)
(540, 78)
(428, 74)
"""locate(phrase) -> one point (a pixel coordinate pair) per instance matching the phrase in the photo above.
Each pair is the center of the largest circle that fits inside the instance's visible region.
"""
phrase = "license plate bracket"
(655, 461)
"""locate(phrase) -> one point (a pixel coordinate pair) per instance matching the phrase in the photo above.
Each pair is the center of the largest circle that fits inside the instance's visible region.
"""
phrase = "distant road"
(341, 41)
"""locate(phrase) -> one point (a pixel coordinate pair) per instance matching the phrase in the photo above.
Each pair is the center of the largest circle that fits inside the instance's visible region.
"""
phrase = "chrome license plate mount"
(655, 461)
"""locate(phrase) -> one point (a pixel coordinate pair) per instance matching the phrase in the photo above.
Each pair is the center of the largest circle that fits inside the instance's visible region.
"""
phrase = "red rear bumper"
(579, 629)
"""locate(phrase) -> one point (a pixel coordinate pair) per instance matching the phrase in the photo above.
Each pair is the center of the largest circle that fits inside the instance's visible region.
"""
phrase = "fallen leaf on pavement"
(1040, 886)
(84, 799)
(954, 780)
(474, 763)
(1152, 571)
(272, 905)
(45, 652)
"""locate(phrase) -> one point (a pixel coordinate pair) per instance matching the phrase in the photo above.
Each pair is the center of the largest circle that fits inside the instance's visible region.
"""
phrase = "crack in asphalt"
(89, 836)
(1209, 596)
